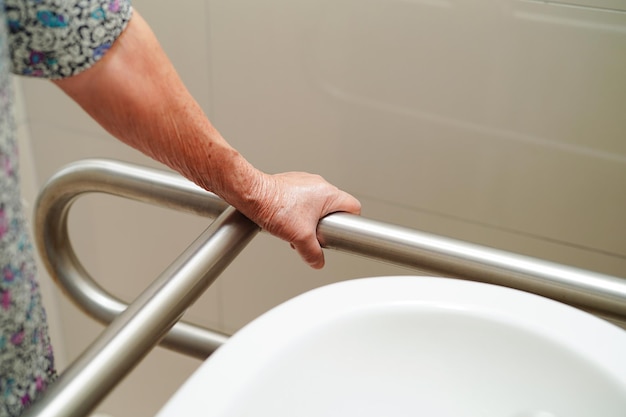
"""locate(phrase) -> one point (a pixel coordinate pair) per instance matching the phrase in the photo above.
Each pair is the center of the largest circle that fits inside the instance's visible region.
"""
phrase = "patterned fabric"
(53, 39)
(59, 38)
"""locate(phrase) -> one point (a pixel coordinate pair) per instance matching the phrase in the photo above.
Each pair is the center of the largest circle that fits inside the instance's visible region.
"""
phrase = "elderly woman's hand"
(290, 205)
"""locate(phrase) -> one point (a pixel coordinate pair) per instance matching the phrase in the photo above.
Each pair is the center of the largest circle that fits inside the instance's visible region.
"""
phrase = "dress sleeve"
(60, 38)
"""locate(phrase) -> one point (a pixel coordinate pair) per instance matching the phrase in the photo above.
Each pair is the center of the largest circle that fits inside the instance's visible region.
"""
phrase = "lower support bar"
(142, 325)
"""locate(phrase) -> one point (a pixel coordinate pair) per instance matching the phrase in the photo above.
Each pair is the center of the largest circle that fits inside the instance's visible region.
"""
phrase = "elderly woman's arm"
(135, 94)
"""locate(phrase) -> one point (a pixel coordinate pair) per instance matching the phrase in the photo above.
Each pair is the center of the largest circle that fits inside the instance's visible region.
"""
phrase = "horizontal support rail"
(601, 294)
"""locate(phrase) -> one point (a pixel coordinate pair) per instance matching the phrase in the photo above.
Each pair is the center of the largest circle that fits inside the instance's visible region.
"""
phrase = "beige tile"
(521, 140)
(21, 116)
(485, 235)
(484, 178)
(54, 146)
(182, 29)
(48, 104)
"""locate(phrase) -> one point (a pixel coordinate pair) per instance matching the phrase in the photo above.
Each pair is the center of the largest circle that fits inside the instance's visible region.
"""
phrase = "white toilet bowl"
(413, 346)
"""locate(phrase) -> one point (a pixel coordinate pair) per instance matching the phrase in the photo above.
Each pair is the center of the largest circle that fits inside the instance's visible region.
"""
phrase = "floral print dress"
(51, 39)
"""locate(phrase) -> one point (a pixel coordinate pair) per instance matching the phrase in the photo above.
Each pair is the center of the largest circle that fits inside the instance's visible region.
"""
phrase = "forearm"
(135, 94)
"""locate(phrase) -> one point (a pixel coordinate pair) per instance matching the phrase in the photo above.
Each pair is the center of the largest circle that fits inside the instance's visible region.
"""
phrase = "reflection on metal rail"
(135, 331)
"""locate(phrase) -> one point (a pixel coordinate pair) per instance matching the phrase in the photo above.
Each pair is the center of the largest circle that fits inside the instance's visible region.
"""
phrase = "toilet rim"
(591, 337)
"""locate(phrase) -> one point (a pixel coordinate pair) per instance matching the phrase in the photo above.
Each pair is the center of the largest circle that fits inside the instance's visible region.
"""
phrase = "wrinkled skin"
(290, 206)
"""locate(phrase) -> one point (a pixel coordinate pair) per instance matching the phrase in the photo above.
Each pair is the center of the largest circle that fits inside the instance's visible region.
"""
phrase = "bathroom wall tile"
(20, 113)
(456, 122)
(481, 176)
(503, 239)
(182, 30)
(46, 103)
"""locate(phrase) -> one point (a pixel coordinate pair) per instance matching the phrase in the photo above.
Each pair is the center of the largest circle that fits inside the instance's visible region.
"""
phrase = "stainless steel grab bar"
(140, 327)
(602, 294)
(143, 184)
